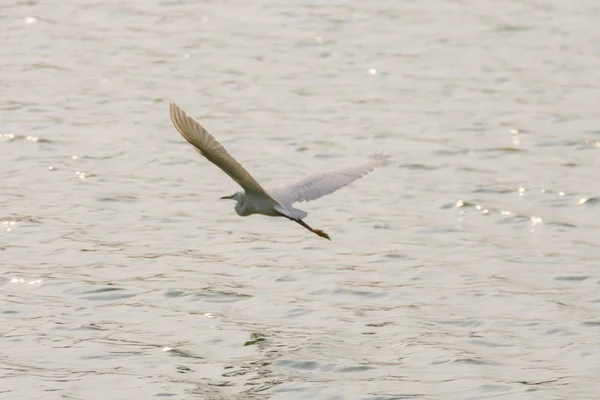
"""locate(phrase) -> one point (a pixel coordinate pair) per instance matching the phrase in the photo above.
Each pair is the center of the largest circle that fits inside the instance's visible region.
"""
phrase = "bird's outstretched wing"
(318, 185)
(210, 148)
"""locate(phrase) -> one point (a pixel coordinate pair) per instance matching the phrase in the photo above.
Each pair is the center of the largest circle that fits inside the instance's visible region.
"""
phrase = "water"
(466, 269)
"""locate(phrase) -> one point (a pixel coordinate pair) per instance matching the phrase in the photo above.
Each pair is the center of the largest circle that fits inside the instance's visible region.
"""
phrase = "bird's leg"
(315, 231)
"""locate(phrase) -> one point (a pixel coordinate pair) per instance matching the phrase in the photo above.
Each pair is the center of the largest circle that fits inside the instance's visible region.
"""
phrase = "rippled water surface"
(468, 268)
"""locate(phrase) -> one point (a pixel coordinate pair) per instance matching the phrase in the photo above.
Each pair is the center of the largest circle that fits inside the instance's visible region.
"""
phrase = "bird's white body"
(278, 201)
(248, 203)
(254, 203)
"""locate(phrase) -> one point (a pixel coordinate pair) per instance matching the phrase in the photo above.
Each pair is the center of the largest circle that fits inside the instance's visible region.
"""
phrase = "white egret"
(275, 202)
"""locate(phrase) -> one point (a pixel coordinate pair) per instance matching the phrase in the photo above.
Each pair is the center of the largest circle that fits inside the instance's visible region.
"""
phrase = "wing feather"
(318, 185)
(210, 148)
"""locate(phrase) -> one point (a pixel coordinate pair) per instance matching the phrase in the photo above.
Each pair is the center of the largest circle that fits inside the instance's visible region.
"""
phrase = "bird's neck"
(240, 206)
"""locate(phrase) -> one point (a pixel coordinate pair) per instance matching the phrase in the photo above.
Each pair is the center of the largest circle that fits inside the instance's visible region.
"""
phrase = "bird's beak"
(227, 197)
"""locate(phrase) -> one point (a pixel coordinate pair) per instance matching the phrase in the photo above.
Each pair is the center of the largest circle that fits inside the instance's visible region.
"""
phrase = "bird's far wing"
(318, 185)
(210, 148)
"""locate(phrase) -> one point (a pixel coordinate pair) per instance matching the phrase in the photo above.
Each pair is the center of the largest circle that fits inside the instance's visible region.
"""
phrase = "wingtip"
(177, 115)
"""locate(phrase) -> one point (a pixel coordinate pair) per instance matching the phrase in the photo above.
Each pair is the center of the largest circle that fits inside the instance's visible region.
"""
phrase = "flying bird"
(277, 201)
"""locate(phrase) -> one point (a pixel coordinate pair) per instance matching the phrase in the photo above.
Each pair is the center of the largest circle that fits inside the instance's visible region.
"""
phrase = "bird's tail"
(299, 214)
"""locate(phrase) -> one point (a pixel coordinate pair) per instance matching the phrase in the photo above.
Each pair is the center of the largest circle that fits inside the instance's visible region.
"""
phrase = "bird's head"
(237, 196)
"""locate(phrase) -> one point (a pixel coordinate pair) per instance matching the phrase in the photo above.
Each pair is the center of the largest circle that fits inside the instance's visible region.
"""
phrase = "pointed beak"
(227, 197)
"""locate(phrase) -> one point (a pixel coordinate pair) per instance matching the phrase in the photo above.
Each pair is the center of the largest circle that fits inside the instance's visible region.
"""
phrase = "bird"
(277, 201)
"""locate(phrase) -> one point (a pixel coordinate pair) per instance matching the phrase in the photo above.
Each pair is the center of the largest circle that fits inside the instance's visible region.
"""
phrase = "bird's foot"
(321, 233)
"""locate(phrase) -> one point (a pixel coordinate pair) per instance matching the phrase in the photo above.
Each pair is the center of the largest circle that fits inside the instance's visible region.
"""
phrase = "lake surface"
(467, 268)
